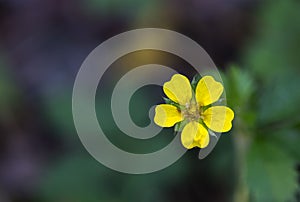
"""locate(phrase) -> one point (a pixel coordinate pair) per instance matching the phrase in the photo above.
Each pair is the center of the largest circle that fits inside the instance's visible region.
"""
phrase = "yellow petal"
(167, 115)
(218, 118)
(178, 89)
(194, 135)
(208, 91)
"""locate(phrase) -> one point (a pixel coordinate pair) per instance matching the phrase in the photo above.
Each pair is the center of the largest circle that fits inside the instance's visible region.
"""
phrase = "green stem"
(241, 143)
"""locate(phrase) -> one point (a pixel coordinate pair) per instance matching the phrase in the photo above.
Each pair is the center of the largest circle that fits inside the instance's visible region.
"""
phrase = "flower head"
(193, 108)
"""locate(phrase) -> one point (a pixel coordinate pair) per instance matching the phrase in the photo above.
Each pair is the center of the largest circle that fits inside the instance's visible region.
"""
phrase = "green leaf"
(239, 86)
(241, 91)
(289, 139)
(279, 100)
(271, 173)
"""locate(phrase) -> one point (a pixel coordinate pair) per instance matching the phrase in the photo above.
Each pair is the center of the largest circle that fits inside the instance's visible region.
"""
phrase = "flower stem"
(241, 143)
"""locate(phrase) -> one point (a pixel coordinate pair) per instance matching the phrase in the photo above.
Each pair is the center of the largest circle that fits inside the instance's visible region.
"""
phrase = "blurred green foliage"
(126, 8)
(266, 100)
(8, 91)
(276, 48)
(264, 95)
(77, 177)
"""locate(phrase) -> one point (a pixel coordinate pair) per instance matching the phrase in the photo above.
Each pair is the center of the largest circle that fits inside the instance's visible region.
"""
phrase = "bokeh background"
(255, 44)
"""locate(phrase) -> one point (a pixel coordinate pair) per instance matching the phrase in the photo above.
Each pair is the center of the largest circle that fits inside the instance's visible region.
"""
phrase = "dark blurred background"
(256, 45)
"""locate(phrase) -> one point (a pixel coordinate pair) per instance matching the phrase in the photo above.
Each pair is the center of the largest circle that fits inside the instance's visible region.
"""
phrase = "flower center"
(191, 111)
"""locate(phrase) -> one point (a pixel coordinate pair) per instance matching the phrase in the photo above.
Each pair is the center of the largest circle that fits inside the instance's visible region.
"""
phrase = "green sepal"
(180, 125)
(170, 102)
(195, 81)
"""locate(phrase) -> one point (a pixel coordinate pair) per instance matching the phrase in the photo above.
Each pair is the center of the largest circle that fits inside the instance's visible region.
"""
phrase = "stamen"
(191, 111)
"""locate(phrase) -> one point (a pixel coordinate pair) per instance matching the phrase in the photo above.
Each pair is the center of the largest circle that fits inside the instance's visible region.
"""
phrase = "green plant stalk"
(241, 145)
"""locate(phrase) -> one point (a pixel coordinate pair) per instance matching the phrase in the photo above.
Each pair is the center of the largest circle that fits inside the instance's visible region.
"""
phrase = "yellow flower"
(194, 109)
